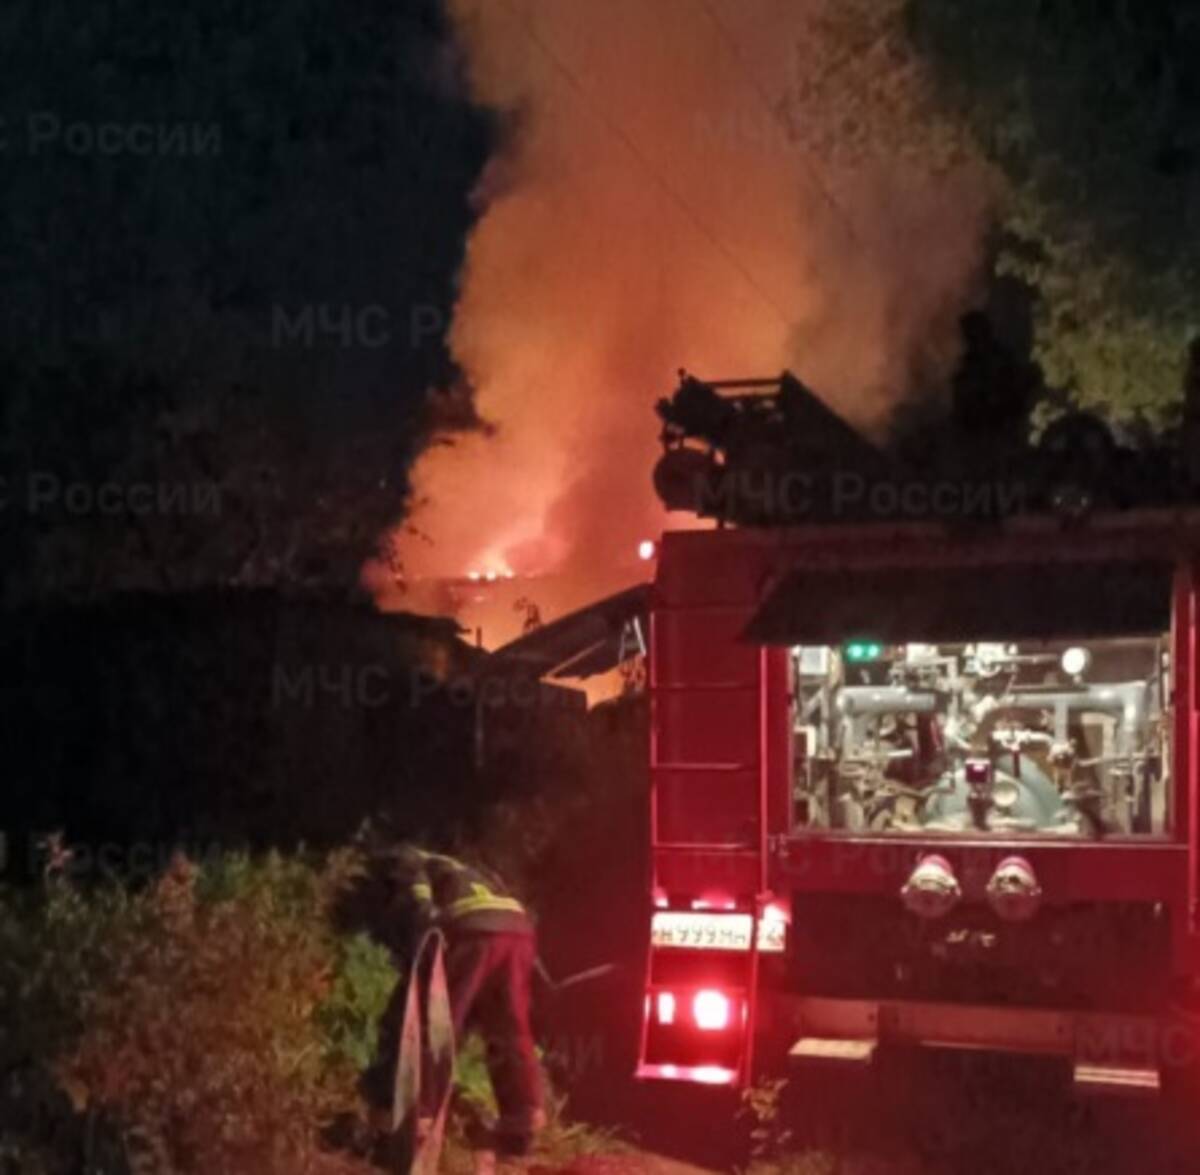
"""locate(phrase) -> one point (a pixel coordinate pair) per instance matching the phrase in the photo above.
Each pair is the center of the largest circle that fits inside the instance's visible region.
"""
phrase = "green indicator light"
(864, 651)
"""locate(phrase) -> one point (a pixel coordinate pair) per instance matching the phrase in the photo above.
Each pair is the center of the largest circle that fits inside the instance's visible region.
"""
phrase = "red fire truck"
(922, 775)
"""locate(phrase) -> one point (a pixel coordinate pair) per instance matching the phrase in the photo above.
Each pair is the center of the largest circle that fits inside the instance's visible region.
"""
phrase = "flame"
(629, 230)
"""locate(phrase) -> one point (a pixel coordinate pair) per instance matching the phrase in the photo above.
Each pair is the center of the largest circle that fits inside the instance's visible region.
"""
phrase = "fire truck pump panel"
(1061, 739)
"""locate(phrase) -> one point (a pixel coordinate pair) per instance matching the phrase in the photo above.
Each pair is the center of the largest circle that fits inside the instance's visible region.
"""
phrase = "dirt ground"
(931, 1113)
(633, 1163)
(944, 1114)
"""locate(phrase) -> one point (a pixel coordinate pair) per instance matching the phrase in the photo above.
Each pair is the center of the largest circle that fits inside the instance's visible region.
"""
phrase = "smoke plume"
(655, 207)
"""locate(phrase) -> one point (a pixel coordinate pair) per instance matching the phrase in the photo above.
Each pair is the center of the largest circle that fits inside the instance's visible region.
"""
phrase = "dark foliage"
(1091, 111)
(148, 721)
(230, 235)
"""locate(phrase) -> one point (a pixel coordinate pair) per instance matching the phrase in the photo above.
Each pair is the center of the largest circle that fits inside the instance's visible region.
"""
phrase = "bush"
(217, 1015)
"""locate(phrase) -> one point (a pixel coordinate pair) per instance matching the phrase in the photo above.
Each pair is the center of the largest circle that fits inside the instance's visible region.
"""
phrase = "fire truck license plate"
(712, 932)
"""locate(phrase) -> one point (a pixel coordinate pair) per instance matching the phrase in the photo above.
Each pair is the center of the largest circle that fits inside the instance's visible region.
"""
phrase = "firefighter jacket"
(444, 892)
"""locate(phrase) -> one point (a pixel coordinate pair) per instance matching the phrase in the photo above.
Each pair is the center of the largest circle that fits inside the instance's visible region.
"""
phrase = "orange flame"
(632, 229)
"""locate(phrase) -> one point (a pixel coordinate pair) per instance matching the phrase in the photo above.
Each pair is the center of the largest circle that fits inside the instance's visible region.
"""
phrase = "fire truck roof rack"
(771, 452)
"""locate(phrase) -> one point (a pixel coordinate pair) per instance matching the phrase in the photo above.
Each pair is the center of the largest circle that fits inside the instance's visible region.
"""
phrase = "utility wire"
(735, 52)
(675, 197)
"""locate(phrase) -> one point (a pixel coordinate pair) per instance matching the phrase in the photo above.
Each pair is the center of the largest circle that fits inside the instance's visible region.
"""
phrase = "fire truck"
(924, 745)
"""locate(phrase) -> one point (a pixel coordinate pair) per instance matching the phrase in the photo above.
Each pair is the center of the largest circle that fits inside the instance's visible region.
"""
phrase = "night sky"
(230, 238)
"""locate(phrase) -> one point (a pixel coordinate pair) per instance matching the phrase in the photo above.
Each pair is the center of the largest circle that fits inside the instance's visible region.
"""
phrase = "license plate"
(695, 931)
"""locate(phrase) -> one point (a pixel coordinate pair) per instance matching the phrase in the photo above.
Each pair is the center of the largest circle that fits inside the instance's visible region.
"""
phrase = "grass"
(560, 1144)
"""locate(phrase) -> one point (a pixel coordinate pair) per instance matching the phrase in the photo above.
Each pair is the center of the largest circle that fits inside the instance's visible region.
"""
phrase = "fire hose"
(424, 1065)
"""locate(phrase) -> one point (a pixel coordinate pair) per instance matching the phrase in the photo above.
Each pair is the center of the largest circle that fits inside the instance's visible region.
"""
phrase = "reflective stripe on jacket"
(458, 896)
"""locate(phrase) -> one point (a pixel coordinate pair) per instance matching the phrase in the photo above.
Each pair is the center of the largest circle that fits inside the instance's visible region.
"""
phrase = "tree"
(1084, 115)
(230, 236)
(1091, 111)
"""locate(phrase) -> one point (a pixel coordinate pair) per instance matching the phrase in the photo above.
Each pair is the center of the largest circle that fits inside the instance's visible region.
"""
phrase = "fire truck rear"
(923, 750)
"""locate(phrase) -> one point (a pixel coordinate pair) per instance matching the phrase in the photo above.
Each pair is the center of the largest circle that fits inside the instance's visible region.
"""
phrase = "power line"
(735, 52)
(573, 81)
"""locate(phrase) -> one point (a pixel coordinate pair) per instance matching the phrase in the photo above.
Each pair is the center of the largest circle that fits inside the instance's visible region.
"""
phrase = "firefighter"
(490, 957)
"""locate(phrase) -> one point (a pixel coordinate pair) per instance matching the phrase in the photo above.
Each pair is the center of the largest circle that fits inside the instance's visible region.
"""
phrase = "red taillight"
(666, 1007)
(703, 1074)
(711, 1010)
(712, 1075)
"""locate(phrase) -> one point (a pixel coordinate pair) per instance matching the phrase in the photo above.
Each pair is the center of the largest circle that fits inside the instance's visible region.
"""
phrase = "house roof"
(583, 643)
